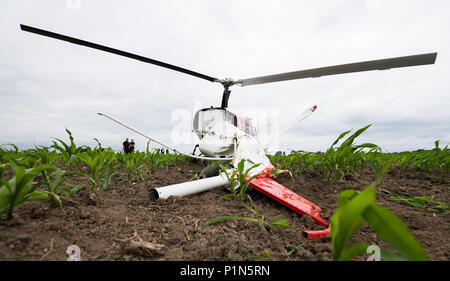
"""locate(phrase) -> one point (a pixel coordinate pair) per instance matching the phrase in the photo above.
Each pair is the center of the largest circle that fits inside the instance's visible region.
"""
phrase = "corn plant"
(442, 160)
(20, 189)
(343, 159)
(69, 151)
(132, 168)
(53, 187)
(94, 164)
(378, 164)
(354, 208)
(243, 182)
(3, 167)
(421, 202)
(44, 155)
(27, 160)
(70, 189)
(266, 257)
(259, 219)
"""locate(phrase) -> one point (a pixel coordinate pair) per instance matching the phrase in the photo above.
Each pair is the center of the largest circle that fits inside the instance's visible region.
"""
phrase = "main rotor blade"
(383, 64)
(114, 51)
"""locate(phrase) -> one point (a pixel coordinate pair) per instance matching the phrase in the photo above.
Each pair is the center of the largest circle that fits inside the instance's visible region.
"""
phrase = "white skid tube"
(160, 143)
(188, 188)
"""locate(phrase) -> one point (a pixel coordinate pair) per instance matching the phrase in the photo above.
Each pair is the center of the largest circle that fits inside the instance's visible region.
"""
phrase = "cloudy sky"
(47, 85)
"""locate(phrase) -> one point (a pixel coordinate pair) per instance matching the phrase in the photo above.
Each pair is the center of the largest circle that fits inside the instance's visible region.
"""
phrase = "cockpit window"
(205, 119)
(245, 125)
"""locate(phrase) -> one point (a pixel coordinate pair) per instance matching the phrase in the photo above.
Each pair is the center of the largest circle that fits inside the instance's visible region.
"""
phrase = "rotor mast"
(226, 83)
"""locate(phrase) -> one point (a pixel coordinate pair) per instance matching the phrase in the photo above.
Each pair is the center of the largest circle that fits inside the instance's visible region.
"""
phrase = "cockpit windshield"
(206, 118)
(245, 124)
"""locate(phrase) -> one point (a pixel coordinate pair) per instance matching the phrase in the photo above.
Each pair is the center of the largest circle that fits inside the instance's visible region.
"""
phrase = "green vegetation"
(422, 202)
(239, 187)
(355, 208)
(49, 173)
(46, 172)
(266, 257)
(20, 188)
(339, 161)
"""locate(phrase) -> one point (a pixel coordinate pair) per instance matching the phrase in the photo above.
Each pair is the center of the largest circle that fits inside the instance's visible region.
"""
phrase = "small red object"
(315, 107)
(316, 234)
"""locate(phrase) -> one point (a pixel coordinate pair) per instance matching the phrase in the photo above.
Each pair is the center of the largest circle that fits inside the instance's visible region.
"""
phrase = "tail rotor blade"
(113, 51)
(382, 64)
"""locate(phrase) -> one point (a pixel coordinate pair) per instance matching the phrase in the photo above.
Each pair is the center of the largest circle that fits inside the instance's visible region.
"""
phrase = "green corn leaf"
(353, 251)
(388, 256)
(394, 232)
(347, 218)
(340, 137)
(349, 140)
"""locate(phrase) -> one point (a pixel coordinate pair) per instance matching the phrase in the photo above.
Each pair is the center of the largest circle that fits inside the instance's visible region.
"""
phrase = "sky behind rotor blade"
(382, 64)
(50, 85)
(113, 51)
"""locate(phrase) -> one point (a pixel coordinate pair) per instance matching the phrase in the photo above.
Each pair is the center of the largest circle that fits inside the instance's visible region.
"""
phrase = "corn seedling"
(53, 187)
(95, 166)
(266, 257)
(344, 159)
(422, 202)
(70, 189)
(20, 189)
(293, 251)
(355, 208)
(242, 176)
(69, 152)
(259, 219)
(378, 165)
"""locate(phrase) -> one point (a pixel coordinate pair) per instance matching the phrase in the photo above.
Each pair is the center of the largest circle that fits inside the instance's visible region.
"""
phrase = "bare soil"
(122, 224)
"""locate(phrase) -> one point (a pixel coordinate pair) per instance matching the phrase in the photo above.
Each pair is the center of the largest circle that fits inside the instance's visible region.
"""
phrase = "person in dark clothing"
(132, 146)
(126, 146)
(162, 150)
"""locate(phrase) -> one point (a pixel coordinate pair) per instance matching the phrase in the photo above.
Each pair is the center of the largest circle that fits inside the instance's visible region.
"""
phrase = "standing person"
(132, 146)
(126, 146)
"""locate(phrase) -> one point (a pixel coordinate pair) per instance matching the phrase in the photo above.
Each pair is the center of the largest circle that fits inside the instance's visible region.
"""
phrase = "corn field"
(52, 173)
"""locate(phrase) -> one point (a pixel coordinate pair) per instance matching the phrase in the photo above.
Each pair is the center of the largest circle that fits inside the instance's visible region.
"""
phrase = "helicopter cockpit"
(206, 118)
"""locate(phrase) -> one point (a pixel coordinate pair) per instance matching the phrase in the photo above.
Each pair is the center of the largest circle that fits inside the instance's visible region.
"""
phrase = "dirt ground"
(109, 225)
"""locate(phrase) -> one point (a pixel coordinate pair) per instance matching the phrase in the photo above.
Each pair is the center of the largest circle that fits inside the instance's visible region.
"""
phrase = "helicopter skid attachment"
(266, 185)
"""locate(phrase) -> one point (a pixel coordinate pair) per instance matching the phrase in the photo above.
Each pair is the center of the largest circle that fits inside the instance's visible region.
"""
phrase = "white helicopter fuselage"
(217, 129)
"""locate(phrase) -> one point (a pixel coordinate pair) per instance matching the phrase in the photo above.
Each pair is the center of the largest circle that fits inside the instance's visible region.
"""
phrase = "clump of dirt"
(123, 224)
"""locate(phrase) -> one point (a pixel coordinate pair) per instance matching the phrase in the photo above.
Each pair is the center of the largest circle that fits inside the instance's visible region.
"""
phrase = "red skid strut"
(266, 185)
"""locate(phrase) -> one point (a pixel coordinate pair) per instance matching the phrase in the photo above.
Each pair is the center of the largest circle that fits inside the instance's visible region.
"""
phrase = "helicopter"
(224, 135)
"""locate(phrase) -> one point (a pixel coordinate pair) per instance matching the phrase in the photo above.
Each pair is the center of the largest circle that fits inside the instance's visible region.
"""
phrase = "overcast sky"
(47, 85)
